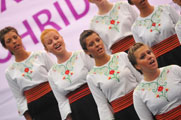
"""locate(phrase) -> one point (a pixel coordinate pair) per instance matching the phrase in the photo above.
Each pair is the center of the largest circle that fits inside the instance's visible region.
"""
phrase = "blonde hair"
(44, 33)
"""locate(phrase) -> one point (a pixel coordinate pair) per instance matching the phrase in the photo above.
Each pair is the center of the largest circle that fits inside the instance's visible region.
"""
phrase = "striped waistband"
(78, 93)
(123, 45)
(122, 102)
(166, 45)
(174, 114)
(37, 92)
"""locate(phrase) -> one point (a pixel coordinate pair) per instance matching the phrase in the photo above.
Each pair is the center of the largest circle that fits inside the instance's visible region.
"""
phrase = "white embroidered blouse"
(160, 95)
(111, 81)
(27, 74)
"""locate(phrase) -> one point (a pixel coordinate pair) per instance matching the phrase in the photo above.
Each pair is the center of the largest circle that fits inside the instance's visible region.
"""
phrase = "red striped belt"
(174, 114)
(122, 102)
(37, 92)
(78, 93)
(123, 45)
(166, 45)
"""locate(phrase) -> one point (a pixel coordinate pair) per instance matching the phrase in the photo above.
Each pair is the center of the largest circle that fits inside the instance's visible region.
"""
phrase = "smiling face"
(94, 45)
(146, 60)
(53, 42)
(13, 42)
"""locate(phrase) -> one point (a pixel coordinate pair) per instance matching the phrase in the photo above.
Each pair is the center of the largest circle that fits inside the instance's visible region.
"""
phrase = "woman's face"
(13, 42)
(54, 42)
(177, 2)
(95, 46)
(146, 60)
(140, 4)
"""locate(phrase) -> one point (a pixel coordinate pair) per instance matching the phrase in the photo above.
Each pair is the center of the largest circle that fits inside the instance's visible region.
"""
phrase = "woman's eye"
(142, 57)
(56, 37)
(15, 37)
(149, 52)
(91, 44)
(49, 42)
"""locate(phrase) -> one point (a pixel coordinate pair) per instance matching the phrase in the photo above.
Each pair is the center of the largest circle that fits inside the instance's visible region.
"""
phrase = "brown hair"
(83, 36)
(131, 55)
(44, 33)
(4, 31)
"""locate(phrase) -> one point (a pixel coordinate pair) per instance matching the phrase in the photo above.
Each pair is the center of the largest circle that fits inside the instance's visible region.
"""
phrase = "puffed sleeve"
(20, 99)
(104, 109)
(173, 14)
(48, 61)
(63, 102)
(141, 108)
(134, 31)
(133, 12)
(178, 29)
(88, 61)
(138, 76)
(177, 71)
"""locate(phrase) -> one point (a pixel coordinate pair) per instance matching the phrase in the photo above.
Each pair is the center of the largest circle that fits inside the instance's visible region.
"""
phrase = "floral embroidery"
(26, 67)
(158, 87)
(27, 73)
(111, 20)
(111, 70)
(66, 70)
(152, 24)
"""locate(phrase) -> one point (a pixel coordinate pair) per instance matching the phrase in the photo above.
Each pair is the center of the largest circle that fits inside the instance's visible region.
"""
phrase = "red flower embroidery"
(26, 69)
(63, 78)
(109, 78)
(154, 24)
(142, 89)
(159, 24)
(166, 89)
(97, 21)
(111, 72)
(67, 72)
(71, 73)
(118, 22)
(112, 21)
(118, 72)
(23, 75)
(157, 96)
(151, 30)
(110, 27)
(160, 88)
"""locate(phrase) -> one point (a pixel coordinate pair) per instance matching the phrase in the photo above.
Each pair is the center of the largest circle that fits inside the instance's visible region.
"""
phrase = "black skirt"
(171, 57)
(44, 108)
(128, 113)
(84, 108)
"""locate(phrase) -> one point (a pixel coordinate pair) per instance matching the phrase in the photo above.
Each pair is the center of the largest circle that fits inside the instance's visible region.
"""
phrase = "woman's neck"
(61, 58)
(102, 60)
(150, 76)
(21, 55)
(104, 8)
(146, 11)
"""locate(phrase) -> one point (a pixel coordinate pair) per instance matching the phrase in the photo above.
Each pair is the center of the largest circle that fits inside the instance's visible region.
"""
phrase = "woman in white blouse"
(158, 94)
(178, 25)
(68, 79)
(111, 81)
(155, 27)
(27, 77)
(113, 23)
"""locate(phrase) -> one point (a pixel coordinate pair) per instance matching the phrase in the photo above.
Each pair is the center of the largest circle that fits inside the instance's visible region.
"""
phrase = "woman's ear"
(138, 67)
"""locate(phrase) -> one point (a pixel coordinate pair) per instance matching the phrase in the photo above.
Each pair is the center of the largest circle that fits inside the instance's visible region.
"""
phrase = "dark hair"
(129, 1)
(83, 36)
(4, 31)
